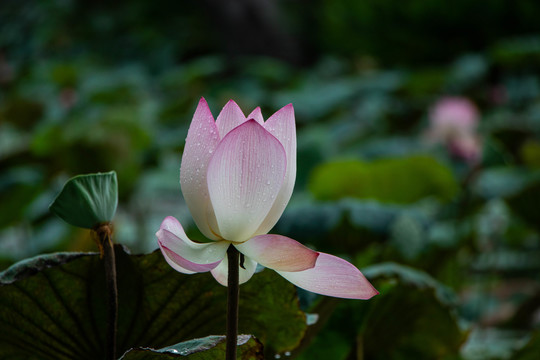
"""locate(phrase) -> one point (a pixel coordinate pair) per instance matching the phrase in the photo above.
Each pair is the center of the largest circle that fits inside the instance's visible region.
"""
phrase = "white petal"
(230, 117)
(282, 126)
(179, 250)
(221, 272)
(244, 177)
(201, 142)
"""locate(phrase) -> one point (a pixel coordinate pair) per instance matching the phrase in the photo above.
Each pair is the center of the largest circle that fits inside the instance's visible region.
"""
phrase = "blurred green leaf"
(208, 348)
(22, 112)
(87, 200)
(308, 221)
(315, 99)
(19, 186)
(426, 81)
(531, 350)
(517, 52)
(502, 181)
(54, 307)
(525, 203)
(530, 153)
(65, 74)
(371, 214)
(413, 317)
(409, 276)
(490, 343)
(408, 237)
(398, 180)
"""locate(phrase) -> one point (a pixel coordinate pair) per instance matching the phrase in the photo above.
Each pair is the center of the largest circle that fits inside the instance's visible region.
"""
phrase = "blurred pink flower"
(237, 176)
(454, 122)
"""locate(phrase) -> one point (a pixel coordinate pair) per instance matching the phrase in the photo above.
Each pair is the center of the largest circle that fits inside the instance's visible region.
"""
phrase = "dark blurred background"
(418, 144)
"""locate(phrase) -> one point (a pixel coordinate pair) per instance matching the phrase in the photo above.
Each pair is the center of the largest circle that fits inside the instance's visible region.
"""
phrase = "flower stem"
(106, 248)
(233, 292)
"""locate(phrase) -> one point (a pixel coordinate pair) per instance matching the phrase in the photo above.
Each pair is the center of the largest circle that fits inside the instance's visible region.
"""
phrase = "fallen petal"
(332, 276)
(279, 253)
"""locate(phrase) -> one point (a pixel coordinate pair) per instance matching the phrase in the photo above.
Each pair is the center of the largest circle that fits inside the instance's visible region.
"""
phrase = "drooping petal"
(332, 276)
(244, 177)
(186, 254)
(256, 115)
(279, 253)
(174, 265)
(221, 272)
(282, 126)
(201, 142)
(183, 265)
(230, 117)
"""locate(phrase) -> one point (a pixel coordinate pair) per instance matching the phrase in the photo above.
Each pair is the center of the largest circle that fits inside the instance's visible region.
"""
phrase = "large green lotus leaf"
(208, 348)
(398, 180)
(409, 276)
(413, 317)
(53, 307)
(87, 200)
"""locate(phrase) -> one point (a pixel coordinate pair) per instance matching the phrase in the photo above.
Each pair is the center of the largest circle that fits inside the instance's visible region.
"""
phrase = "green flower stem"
(233, 292)
(106, 247)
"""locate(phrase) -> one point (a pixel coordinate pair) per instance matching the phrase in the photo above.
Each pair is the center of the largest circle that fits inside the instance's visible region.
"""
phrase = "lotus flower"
(454, 122)
(237, 176)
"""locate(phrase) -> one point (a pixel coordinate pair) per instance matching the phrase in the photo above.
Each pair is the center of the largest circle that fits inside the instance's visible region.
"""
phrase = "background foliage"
(452, 245)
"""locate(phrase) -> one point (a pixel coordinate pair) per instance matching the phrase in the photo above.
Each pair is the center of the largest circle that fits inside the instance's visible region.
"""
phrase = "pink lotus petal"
(256, 115)
(282, 126)
(332, 276)
(279, 253)
(244, 177)
(174, 265)
(221, 272)
(454, 112)
(201, 142)
(186, 254)
(183, 264)
(230, 117)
